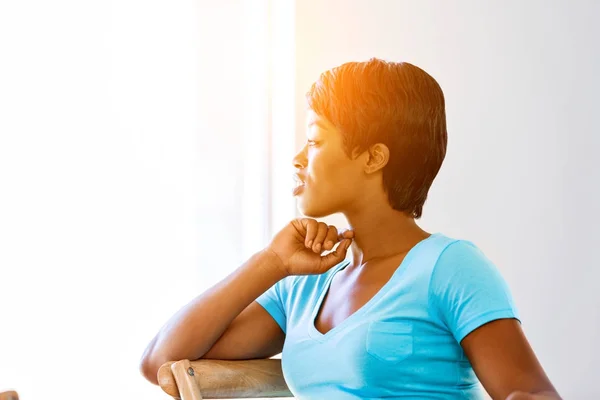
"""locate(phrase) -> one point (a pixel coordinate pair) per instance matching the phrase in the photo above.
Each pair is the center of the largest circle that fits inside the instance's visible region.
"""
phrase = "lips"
(300, 183)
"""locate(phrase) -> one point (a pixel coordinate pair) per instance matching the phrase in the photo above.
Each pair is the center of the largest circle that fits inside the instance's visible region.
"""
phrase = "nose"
(300, 159)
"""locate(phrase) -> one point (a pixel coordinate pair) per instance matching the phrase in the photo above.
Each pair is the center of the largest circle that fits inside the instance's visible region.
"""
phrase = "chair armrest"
(231, 379)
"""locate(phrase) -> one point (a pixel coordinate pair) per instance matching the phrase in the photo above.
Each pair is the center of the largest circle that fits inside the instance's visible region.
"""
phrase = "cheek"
(324, 167)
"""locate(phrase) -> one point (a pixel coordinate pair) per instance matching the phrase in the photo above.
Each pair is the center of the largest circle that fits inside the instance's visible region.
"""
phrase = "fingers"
(518, 395)
(331, 239)
(335, 257)
(312, 227)
(322, 237)
(345, 234)
(317, 245)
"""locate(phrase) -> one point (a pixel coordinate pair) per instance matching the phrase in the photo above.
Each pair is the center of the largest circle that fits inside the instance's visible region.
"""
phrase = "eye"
(311, 142)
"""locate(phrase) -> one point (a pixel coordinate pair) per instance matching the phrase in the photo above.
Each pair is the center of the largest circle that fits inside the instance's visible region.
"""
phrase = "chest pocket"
(390, 341)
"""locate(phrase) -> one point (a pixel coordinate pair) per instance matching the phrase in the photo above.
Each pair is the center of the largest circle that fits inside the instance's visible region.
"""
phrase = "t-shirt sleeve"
(467, 290)
(274, 300)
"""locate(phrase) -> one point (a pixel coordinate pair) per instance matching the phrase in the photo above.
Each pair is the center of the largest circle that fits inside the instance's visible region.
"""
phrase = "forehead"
(313, 119)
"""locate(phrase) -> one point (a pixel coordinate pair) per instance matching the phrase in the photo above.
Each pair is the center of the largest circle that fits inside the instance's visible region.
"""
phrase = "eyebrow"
(317, 123)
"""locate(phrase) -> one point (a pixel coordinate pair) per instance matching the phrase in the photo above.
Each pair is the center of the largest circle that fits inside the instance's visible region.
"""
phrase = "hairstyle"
(394, 103)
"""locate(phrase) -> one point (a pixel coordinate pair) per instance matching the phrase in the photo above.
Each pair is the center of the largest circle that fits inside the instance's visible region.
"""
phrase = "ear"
(378, 157)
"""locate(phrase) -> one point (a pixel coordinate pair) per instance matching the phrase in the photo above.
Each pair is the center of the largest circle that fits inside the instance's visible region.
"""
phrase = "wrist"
(272, 263)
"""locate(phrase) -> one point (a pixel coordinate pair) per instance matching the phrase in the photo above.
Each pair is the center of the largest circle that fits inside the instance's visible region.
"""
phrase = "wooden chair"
(223, 379)
(10, 395)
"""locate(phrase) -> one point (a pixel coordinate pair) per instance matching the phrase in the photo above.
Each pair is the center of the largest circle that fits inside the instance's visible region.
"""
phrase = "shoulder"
(467, 290)
(461, 257)
(465, 281)
(463, 270)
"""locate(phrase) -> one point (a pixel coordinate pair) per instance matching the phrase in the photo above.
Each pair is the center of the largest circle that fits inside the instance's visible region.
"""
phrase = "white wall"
(121, 181)
(520, 178)
(98, 193)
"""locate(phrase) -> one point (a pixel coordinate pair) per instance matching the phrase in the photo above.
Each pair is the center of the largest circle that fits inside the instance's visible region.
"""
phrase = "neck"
(381, 232)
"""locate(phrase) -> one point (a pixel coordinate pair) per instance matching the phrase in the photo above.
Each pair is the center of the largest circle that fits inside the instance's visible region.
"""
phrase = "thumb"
(345, 234)
(335, 257)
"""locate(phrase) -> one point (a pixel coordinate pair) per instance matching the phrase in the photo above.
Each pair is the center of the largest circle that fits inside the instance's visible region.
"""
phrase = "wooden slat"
(231, 379)
(184, 378)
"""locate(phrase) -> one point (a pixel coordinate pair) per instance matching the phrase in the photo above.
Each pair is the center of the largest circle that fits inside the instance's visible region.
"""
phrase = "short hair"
(394, 103)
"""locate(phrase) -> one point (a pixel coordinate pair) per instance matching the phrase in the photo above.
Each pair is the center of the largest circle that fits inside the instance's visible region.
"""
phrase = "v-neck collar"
(321, 337)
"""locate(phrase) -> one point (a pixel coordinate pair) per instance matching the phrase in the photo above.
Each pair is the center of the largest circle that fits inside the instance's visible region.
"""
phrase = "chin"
(314, 215)
(311, 210)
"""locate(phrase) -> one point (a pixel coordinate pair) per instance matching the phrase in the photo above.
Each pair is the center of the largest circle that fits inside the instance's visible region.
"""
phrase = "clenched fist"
(300, 243)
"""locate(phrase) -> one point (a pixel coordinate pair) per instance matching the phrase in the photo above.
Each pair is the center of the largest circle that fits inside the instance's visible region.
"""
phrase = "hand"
(300, 243)
(530, 396)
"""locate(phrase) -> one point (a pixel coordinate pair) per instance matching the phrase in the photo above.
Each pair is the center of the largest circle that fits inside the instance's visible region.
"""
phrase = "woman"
(409, 314)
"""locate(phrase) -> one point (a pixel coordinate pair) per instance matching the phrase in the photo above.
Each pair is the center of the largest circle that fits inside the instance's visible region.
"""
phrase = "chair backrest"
(223, 379)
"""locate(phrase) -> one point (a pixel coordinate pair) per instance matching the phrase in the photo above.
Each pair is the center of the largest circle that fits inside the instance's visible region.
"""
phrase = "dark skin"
(505, 362)
(498, 351)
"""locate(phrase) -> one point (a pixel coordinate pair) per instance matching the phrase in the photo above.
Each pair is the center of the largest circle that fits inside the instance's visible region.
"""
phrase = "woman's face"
(330, 179)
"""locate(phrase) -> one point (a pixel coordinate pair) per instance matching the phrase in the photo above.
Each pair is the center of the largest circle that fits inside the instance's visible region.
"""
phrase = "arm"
(474, 301)
(221, 323)
(217, 324)
(505, 363)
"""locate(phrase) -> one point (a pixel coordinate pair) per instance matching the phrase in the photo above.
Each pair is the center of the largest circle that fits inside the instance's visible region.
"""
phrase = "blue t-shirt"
(404, 342)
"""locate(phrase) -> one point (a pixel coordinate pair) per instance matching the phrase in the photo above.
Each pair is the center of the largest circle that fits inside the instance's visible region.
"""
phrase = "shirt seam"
(482, 316)
(435, 304)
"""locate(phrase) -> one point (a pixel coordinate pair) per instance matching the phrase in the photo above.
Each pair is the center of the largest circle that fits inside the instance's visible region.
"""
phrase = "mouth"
(299, 185)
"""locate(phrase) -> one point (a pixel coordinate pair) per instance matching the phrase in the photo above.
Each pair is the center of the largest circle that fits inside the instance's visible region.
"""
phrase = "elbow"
(150, 363)
(153, 359)
(149, 369)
